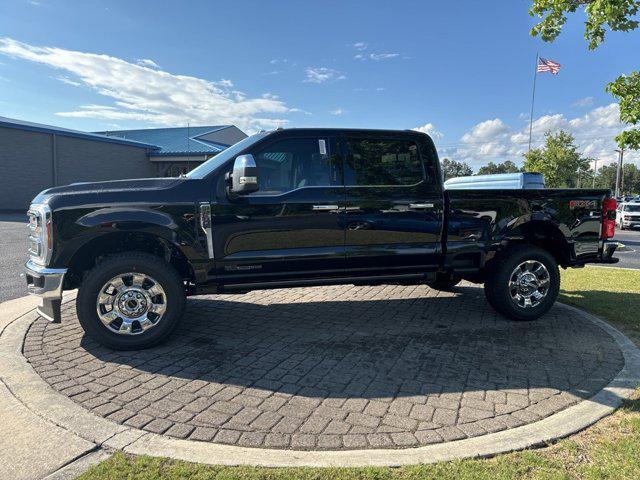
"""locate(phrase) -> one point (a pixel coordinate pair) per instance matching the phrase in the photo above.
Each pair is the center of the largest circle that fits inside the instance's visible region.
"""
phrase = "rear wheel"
(523, 282)
(130, 301)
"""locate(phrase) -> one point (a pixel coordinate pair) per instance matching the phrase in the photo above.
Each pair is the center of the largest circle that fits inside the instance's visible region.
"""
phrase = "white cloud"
(493, 140)
(337, 112)
(152, 95)
(361, 89)
(67, 80)
(322, 75)
(383, 56)
(146, 62)
(488, 130)
(539, 127)
(430, 129)
(376, 57)
(583, 102)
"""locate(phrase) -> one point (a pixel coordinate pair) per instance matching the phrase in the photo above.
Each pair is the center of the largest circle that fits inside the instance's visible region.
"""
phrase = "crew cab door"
(394, 205)
(292, 226)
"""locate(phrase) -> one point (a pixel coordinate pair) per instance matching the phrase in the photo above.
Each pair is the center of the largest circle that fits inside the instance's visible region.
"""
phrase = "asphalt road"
(13, 253)
(629, 255)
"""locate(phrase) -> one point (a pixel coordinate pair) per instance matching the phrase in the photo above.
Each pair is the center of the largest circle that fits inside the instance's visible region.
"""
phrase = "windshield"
(632, 208)
(210, 165)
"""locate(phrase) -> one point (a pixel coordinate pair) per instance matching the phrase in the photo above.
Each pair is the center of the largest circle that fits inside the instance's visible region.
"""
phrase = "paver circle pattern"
(330, 368)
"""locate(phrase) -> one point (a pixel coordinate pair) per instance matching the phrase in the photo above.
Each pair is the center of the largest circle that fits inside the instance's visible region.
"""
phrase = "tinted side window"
(294, 163)
(383, 162)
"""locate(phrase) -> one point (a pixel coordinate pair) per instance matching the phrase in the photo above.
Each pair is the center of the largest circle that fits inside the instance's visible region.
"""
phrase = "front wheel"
(523, 283)
(130, 301)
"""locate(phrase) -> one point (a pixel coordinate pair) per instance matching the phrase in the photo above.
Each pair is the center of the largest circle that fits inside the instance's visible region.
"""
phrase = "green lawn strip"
(609, 450)
(611, 293)
(516, 466)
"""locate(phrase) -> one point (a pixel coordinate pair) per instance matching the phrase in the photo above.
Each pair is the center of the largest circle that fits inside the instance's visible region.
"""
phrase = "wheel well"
(541, 235)
(549, 238)
(100, 248)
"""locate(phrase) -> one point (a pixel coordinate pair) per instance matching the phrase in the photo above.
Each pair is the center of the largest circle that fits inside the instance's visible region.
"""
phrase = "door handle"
(420, 206)
(325, 208)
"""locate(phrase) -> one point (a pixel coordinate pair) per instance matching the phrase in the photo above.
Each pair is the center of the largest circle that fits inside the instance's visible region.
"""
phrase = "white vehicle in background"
(499, 181)
(628, 215)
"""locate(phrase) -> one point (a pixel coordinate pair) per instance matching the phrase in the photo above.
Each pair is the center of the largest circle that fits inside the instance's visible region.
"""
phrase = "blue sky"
(460, 70)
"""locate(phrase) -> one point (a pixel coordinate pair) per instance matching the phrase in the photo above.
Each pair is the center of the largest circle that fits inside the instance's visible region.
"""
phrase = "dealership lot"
(629, 255)
(13, 254)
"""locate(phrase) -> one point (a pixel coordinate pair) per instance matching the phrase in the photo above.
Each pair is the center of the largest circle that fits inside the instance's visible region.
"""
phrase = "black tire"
(445, 282)
(135, 262)
(496, 287)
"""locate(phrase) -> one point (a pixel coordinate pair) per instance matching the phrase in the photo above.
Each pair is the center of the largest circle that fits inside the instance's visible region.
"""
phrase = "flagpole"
(533, 99)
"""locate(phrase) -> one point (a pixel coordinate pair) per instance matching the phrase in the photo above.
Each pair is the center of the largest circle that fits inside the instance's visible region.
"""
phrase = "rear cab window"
(382, 162)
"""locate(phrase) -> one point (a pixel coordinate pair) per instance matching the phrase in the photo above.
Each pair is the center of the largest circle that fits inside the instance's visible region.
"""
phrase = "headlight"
(40, 234)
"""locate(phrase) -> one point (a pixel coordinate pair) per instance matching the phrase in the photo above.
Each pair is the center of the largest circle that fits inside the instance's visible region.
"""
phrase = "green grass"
(608, 450)
(611, 293)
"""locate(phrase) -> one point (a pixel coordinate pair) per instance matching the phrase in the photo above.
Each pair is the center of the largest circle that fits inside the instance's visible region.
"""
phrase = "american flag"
(545, 65)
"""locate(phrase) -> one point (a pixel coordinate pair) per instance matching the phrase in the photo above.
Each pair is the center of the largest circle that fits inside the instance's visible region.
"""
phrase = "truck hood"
(106, 187)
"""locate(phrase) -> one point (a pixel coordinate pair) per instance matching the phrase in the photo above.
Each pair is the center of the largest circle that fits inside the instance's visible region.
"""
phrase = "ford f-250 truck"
(302, 207)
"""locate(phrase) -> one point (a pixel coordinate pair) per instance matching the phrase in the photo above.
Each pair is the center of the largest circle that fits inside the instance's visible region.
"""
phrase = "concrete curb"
(78, 466)
(36, 395)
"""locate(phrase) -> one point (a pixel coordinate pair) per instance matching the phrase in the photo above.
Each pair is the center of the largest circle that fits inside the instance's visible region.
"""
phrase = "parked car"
(628, 215)
(302, 207)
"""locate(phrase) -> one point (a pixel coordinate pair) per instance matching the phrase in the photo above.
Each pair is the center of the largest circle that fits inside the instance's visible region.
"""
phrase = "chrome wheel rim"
(529, 284)
(131, 303)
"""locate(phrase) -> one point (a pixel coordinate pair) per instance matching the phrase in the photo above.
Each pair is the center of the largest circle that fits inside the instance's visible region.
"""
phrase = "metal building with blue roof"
(34, 156)
(181, 148)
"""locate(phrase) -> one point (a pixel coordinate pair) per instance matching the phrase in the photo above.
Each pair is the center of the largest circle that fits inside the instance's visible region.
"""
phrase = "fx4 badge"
(586, 204)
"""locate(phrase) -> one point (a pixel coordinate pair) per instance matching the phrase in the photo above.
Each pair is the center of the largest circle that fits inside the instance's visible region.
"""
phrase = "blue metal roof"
(66, 132)
(174, 141)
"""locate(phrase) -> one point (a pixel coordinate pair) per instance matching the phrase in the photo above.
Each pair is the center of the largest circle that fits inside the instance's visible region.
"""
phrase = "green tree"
(606, 177)
(585, 174)
(452, 169)
(558, 160)
(630, 177)
(492, 168)
(617, 15)
(627, 90)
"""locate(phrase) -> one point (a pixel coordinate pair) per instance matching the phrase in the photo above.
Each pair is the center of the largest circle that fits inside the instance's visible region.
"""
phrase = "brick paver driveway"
(334, 368)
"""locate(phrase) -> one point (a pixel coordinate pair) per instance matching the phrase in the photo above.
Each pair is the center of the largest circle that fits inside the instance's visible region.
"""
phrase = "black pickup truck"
(302, 207)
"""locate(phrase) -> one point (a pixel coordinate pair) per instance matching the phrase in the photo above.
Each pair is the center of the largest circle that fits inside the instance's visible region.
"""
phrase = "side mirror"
(244, 178)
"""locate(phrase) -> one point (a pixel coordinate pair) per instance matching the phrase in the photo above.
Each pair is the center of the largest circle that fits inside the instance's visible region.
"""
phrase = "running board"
(314, 282)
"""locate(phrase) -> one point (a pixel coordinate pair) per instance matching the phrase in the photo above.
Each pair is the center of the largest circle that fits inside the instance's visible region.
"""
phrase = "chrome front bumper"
(46, 283)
